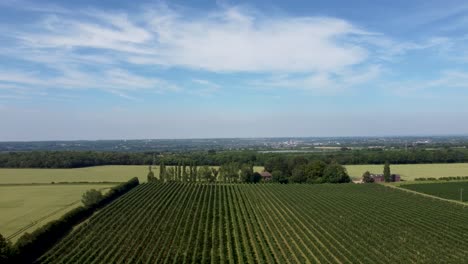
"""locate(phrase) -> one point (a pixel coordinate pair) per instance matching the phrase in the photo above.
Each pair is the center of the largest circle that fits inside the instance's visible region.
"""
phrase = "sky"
(106, 69)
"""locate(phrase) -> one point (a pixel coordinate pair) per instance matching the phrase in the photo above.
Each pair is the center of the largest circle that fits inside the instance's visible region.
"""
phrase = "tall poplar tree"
(386, 172)
(195, 171)
(184, 172)
(191, 171)
(179, 172)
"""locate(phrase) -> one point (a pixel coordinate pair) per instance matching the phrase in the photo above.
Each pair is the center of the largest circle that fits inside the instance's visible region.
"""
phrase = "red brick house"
(266, 176)
(381, 178)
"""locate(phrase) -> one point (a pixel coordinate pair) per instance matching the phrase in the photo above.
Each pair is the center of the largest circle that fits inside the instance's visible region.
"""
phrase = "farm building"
(381, 178)
(266, 176)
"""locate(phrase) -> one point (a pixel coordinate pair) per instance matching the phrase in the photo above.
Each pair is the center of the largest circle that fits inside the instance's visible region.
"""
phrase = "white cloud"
(387, 49)
(112, 80)
(89, 49)
(231, 39)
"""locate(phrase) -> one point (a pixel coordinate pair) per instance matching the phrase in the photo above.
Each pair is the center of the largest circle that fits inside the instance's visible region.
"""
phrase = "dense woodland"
(77, 159)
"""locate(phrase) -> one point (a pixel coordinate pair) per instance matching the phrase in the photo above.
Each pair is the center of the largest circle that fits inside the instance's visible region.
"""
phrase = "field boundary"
(42, 219)
(425, 194)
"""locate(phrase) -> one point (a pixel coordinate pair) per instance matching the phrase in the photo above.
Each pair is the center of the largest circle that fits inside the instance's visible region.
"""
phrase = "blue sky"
(191, 69)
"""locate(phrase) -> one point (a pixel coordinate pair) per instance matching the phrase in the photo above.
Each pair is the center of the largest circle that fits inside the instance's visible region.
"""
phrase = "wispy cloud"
(448, 80)
(205, 87)
(97, 49)
(115, 79)
(322, 82)
(230, 39)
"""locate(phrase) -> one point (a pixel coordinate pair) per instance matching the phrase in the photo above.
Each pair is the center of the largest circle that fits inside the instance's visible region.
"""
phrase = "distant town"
(290, 144)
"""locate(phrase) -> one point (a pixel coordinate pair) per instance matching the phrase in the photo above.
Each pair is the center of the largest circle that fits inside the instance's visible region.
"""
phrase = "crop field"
(121, 173)
(269, 223)
(411, 171)
(114, 173)
(447, 190)
(26, 207)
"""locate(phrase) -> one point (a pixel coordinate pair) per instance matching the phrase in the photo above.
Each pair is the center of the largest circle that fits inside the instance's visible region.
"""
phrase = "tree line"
(77, 159)
(299, 171)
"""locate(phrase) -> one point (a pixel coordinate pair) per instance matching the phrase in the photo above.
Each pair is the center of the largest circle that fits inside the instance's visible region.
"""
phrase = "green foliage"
(272, 161)
(206, 174)
(230, 172)
(246, 173)
(314, 171)
(170, 174)
(386, 172)
(6, 250)
(179, 172)
(215, 173)
(279, 177)
(366, 177)
(150, 177)
(453, 178)
(335, 173)
(195, 172)
(277, 163)
(162, 173)
(256, 177)
(185, 176)
(299, 174)
(91, 197)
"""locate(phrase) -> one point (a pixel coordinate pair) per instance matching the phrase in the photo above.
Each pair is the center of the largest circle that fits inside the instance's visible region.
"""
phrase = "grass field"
(26, 207)
(90, 174)
(269, 223)
(447, 190)
(411, 171)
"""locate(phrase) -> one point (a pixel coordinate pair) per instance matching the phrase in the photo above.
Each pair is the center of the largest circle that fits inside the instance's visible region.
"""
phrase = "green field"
(269, 223)
(26, 207)
(447, 190)
(409, 172)
(116, 173)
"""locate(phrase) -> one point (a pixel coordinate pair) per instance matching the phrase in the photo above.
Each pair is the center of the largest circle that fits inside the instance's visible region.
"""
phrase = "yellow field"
(410, 171)
(91, 174)
(26, 207)
(123, 173)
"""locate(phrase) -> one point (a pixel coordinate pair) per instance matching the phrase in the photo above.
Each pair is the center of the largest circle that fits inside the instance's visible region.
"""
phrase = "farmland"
(447, 190)
(121, 173)
(269, 223)
(27, 207)
(113, 173)
(411, 171)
